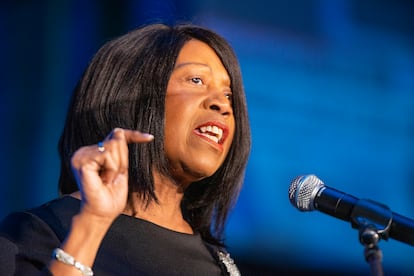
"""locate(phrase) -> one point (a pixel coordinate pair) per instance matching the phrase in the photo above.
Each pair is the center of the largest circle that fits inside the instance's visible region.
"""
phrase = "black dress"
(131, 246)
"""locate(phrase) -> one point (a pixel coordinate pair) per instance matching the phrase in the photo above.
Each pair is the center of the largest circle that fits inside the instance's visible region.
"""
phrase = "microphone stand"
(373, 220)
(369, 237)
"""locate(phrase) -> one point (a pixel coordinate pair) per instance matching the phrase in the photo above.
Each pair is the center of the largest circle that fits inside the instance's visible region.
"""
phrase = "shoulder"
(52, 217)
(27, 238)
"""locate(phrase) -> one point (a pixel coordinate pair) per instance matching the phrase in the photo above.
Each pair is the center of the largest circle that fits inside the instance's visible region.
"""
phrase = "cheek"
(232, 131)
(177, 124)
(176, 113)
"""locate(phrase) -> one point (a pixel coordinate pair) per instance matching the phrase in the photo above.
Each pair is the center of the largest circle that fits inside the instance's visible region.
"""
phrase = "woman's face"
(199, 120)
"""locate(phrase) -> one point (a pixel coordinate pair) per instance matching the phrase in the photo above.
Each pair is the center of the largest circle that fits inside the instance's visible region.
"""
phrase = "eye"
(197, 80)
(229, 96)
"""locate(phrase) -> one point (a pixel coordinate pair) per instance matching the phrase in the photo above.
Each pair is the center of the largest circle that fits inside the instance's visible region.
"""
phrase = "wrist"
(67, 259)
(85, 236)
(92, 220)
(81, 245)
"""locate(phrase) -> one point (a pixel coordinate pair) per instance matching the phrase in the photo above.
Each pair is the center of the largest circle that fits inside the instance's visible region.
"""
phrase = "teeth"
(212, 137)
(207, 130)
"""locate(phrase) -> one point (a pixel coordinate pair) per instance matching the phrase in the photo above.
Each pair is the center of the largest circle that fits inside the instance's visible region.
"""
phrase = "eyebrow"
(191, 63)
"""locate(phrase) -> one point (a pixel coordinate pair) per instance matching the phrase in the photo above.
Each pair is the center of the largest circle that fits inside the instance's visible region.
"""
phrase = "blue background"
(330, 88)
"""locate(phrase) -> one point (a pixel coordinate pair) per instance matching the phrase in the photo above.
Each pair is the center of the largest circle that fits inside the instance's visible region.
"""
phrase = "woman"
(136, 203)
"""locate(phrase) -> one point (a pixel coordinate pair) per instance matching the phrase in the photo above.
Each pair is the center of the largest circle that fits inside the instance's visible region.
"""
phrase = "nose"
(220, 102)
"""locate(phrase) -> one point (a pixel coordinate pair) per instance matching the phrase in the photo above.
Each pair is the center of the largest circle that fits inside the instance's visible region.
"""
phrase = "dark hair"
(125, 86)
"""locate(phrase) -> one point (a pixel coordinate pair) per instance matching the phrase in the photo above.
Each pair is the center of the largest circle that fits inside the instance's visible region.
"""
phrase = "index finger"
(132, 136)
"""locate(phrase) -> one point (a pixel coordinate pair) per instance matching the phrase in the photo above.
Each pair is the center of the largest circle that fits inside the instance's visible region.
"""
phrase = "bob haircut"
(125, 86)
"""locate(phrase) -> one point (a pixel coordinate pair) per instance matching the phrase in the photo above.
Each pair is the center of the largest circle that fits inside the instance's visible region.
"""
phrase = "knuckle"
(77, 157)
(117, 132)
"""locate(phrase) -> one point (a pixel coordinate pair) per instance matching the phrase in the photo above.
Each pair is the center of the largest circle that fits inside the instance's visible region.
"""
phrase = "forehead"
(196, 50)
(198, 53)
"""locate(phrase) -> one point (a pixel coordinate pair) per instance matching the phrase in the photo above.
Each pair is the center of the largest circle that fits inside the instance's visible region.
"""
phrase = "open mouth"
(213, 132)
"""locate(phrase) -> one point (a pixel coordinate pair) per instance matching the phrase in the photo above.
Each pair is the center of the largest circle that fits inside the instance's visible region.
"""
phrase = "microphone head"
(303, 190)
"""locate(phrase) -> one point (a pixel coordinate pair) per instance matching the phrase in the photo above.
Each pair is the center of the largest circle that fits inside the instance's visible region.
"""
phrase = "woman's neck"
(166, 212)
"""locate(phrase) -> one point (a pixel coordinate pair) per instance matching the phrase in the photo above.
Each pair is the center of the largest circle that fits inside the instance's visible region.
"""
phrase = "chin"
(197, 173)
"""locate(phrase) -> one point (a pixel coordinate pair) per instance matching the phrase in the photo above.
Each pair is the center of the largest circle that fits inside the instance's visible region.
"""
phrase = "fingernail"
(149, 136)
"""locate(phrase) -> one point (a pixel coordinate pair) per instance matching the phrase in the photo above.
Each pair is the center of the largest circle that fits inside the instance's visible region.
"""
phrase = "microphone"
(308, 193)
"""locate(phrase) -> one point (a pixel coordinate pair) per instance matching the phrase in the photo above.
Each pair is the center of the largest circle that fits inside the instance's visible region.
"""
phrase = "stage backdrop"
(330, 88)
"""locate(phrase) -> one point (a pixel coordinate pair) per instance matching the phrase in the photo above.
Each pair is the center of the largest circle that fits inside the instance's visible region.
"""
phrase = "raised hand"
(101, 172)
